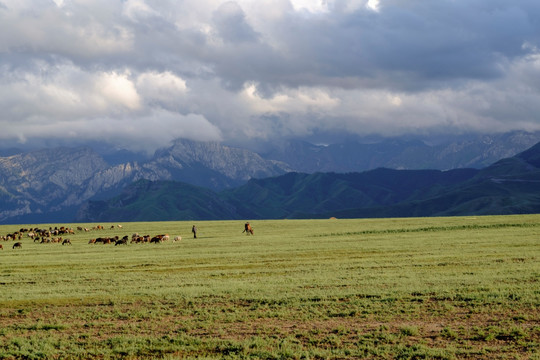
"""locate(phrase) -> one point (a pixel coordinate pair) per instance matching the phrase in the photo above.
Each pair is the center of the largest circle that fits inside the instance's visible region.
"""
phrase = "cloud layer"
(140, 73)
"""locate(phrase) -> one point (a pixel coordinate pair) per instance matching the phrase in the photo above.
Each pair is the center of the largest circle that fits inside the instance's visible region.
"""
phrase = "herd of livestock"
(58, 235)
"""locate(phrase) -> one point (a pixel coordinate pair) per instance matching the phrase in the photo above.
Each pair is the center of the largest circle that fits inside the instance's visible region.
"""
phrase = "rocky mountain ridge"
(467, 152)
(40, 184)
(50, 180)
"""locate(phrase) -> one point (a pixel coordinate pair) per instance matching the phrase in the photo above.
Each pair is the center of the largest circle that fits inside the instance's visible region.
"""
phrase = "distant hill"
(509, 186)
(318, 195)
(147, 200)
(46, 185)
(531, 157)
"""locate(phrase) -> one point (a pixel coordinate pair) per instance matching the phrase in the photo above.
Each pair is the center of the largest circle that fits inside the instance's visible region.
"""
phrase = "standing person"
(248, 229)
(194, 231)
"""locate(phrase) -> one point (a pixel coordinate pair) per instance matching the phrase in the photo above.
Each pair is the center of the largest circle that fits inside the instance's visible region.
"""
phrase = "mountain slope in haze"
(509, 186)
(354, 156)
(211, 164)
(40, 181)
(531, 156)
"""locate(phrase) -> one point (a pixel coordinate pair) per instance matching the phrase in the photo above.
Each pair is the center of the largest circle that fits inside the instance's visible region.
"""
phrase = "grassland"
(417, 288)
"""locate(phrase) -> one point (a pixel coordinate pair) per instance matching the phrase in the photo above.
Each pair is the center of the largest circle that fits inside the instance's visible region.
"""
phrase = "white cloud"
(297, 101)
(73, 29)
(165, 88)
(395, 100)
(117, 89)
(313, 6)
(373, 5)
(137, 10)
(153, 130)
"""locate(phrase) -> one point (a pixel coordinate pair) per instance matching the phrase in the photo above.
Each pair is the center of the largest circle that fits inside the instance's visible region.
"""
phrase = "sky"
(139, 74)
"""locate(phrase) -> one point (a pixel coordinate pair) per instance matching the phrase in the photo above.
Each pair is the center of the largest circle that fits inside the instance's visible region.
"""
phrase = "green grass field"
(415, 288)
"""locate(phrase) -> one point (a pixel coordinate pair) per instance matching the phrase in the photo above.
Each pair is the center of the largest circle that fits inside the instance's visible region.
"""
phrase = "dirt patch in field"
(466, 333)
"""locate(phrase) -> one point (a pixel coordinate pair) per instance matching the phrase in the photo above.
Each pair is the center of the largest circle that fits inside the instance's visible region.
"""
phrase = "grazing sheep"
(122, 241)
(66, 242)
(177, 238)
(155, 239)
(17, 245)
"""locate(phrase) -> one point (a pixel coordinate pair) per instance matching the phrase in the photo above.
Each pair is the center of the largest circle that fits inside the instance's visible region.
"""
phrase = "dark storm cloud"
(405, 45)
(218, 70)
(231, 23)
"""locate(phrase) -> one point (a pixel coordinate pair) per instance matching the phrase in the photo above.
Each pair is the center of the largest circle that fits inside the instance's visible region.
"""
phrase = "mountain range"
(209, 180)
(509, 186)
(402, 153)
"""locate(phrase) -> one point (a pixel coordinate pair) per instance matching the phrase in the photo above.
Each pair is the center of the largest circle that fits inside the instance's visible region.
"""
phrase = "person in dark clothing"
(194, 231)
(248, 229)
